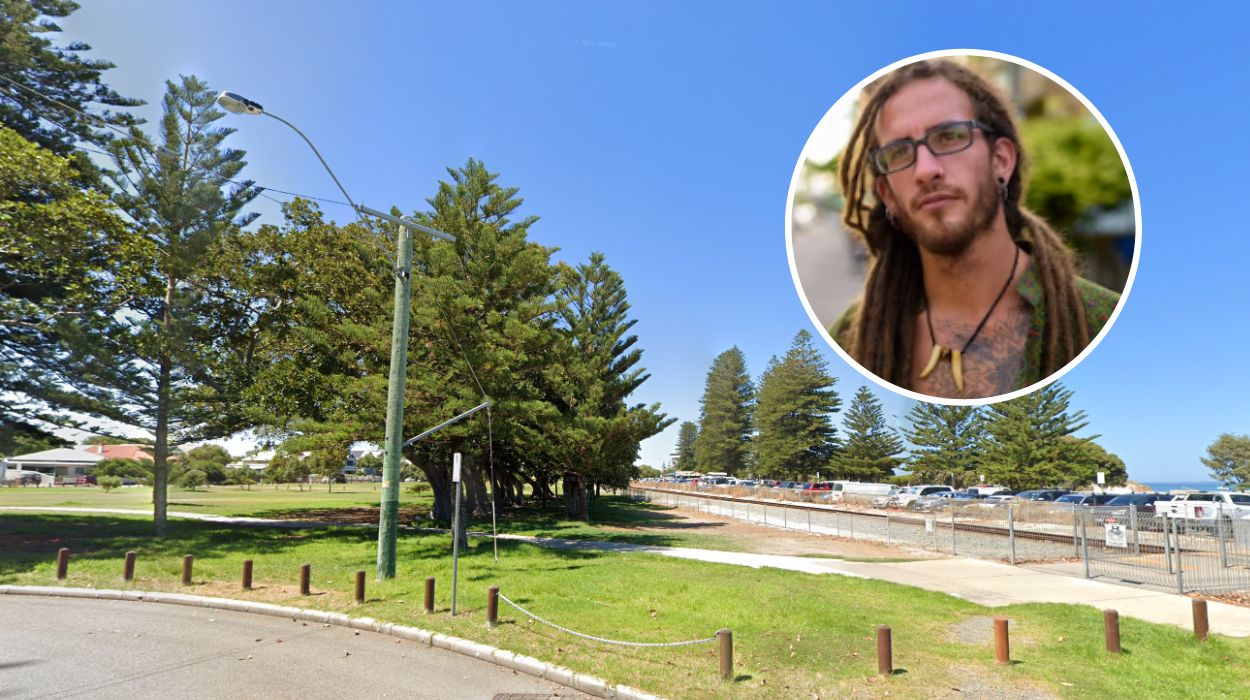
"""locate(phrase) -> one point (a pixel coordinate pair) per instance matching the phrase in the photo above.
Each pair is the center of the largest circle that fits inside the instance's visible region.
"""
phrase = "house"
(62, 463)
(256, 462)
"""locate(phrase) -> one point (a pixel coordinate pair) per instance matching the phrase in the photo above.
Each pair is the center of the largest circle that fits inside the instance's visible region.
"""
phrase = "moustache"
(952, 192)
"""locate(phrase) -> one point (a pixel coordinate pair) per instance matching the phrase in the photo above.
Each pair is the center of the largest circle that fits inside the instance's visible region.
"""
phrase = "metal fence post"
(1219, 534)
(952, 507)
(1180, 569)
(1076, 544)
(1011, 533)
(1132, 519)
(809, 521)
(887, 528)
(1084, 541)
(1167, 541)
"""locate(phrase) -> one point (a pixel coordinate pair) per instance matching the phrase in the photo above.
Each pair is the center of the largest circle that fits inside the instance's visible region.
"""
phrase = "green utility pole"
(388, 522)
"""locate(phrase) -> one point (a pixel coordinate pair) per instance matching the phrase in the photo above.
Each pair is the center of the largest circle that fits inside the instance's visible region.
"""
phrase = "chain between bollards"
(885, 651)
(128, 571)
(492, 606)
(247, 574)
(726, 638)
(188, 561)
(360, 587)
(1002, 646)
(305, 574)
(62, 563)
(1111, 623)
(429, 594)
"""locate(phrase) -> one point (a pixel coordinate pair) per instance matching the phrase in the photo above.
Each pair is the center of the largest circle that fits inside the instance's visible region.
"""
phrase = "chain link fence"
(1183, 554)
(1209, 555)
(977, 530)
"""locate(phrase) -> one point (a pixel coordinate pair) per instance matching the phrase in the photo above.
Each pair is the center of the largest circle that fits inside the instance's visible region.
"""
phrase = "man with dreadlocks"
(969, 294)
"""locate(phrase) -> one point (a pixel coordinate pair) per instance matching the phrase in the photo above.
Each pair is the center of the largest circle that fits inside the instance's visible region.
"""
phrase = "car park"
(1041, 494)
(910, 494)
(1142, 502)
(1084, 499)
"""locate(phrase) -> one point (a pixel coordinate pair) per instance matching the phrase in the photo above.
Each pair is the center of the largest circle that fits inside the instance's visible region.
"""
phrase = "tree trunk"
(160, 466)
(576, 497)
(440, 489)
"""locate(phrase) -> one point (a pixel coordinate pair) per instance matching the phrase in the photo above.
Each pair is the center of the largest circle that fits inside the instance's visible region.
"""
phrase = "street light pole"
(388, 519)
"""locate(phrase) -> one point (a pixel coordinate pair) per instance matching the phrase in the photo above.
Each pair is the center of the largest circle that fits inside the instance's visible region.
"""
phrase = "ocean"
(1165, 486)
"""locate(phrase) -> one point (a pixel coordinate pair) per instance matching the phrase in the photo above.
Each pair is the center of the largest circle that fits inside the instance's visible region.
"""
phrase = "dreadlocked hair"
(881, 334)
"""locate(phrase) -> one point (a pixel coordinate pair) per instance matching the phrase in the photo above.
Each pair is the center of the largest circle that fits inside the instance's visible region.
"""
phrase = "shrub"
(108, 483)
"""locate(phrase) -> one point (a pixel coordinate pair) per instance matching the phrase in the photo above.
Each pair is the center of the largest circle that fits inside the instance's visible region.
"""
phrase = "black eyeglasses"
(941, 140)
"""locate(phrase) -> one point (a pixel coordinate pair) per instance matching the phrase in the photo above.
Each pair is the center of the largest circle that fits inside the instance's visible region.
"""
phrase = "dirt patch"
(348, 516)
(977, 685)
(976, 630)
(1240, 599)
(762, 539)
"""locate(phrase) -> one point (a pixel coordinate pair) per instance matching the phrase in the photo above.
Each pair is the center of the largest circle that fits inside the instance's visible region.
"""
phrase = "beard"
(945, 233)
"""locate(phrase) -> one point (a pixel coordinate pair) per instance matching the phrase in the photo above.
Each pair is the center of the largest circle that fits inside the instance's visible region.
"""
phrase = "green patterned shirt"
(1099, 302)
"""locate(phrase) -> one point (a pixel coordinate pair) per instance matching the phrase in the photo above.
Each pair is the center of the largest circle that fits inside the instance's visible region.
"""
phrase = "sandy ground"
(749, 537)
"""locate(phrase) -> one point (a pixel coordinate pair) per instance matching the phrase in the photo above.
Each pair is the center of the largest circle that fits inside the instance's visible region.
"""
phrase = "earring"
(1002, 189)
(889, 216)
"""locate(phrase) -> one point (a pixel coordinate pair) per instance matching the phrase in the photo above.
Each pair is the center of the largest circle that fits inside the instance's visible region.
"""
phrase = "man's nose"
(928, 166)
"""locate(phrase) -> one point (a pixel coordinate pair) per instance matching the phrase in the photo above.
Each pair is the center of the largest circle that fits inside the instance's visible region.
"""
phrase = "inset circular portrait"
(963, 227)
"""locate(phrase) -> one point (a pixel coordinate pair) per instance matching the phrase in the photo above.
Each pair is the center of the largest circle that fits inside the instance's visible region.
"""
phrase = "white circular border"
(1128, 285)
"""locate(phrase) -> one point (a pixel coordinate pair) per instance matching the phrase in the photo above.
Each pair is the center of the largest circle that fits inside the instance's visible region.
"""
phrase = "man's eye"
(947, 137)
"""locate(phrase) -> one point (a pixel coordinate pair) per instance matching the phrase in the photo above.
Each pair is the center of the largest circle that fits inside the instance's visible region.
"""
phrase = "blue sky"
(665, 137)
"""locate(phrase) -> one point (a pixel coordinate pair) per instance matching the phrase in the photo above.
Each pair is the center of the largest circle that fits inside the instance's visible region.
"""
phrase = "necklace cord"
(928, 317)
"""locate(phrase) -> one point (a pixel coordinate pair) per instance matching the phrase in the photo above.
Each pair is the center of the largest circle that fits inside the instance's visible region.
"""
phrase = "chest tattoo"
(991, 365)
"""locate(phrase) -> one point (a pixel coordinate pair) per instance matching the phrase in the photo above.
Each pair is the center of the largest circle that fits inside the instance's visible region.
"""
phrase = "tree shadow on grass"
(609, 515)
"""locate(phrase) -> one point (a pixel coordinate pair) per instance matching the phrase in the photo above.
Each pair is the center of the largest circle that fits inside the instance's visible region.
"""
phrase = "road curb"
(523, 664)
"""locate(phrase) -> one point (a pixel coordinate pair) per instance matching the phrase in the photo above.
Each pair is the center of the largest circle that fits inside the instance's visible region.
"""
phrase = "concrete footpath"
(976, 580)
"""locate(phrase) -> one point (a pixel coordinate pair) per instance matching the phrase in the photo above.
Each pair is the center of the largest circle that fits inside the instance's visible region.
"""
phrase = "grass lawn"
(795, 635)
(261, 501)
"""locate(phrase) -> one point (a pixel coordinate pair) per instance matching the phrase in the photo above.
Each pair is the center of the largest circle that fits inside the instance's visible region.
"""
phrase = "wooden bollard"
(726, 638)
(1002, 646)
(305, 573)
(1201, 626)
(885, 651)
(247, 574)
(1111, 623)
(128, 571)
(62, 563)
(360, 587)
(187, 562)
(429, 594)
(492, 606)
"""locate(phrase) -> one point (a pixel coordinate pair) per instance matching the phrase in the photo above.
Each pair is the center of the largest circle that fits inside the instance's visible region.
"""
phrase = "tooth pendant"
(957, 364)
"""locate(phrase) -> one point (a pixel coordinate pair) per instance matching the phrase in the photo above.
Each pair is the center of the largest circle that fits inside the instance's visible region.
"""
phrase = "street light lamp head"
(234, 102)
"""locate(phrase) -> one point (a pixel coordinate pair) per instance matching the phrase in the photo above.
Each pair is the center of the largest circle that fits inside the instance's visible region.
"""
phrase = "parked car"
(1041, 494)
(885, 500)
(1084, 499)
(86, 480)
(909, 495)
(1143, 502)
(1207, 505)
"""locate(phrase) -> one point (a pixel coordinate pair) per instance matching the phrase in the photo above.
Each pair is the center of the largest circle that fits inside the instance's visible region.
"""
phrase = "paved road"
(64, 648)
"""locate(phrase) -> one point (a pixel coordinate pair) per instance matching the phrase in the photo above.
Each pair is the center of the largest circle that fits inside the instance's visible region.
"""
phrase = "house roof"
(120, 451)
(60, 455)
